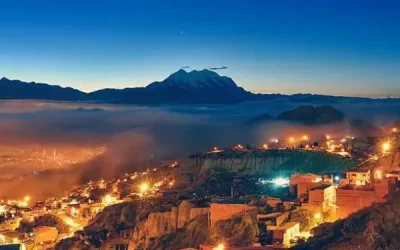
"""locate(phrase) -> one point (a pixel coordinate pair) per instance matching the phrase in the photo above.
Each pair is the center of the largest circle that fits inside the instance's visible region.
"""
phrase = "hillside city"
(240, 210)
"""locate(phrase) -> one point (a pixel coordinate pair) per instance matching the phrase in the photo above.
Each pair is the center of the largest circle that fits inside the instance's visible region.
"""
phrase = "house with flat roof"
(321, 198)
(284, 233)
(360, 175)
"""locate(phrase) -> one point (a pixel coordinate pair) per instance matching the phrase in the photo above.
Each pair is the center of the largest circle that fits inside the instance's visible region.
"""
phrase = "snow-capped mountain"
(203, 86)
(195, 80)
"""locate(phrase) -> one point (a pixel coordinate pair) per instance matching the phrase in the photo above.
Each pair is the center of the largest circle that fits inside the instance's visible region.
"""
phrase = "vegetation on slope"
(265, 162)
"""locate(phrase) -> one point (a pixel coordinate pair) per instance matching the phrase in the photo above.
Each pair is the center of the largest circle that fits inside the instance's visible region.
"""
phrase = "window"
(353, 175)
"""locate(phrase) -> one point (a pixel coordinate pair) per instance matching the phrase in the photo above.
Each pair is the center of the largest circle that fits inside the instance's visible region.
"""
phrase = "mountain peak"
(195, 79)
(4, 79)
(193, 75)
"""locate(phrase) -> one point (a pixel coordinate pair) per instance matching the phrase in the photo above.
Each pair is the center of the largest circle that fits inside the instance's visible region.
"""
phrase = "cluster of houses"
(76, 208)
(327, 198)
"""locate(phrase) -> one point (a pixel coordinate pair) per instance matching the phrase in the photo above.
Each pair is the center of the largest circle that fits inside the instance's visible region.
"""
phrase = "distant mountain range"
(321, 115)
(194, 87)
(305, 114)
(310, 115)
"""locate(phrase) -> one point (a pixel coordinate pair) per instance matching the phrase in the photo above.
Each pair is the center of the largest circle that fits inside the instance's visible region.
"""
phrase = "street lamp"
(143, 188)
(385, 147)
(220, 246)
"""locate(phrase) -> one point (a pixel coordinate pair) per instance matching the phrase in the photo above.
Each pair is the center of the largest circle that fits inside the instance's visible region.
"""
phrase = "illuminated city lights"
(305, 138)
(239, 146)
(378, 174)
(22, 203)
(318, 179)
(144, 187)
(220, 246)
(281, 181)
(385, 147)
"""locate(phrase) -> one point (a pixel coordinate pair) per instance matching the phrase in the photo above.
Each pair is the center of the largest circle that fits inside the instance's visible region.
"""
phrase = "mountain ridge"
(181, 87)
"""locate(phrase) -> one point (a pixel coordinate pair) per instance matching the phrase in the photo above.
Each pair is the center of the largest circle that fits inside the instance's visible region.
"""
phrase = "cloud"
(185, 67)
(218, 68)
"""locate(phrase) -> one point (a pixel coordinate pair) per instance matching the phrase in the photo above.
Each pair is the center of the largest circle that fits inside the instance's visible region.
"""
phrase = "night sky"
(329, 47)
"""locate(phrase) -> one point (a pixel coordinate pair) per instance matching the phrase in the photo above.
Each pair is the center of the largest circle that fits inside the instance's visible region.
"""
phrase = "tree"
(304, 217)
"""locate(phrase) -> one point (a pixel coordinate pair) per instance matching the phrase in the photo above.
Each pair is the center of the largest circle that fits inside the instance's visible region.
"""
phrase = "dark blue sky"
(331, 47)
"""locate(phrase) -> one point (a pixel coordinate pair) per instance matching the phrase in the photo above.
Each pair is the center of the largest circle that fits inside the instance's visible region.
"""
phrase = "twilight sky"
(331, 47)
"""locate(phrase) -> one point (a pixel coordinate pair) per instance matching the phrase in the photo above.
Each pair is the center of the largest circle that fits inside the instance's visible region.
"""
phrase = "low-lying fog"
(136, 135)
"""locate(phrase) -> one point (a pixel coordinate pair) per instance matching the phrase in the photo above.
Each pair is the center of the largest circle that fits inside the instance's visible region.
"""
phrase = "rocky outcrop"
(158, 224)
(184, 210)
(256, 162)
(191, 236)
(196, 212)
(150, 221)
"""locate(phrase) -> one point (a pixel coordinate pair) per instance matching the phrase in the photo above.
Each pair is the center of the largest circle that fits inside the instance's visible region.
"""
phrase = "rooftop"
(321, 187)
(231, 201)
(363, 167)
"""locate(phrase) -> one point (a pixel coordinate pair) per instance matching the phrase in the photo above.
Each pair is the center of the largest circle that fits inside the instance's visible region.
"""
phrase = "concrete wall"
(322, 197)
(350, 201)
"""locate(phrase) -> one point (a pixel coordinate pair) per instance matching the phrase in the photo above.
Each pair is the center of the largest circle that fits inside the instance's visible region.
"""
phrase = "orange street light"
(220, 246)
(385, 147)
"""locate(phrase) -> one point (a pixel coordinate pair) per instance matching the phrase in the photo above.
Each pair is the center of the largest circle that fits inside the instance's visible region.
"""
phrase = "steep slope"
(15, 89)
(376, 227)
(151, 220)
(311, 115)
(271, 161)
